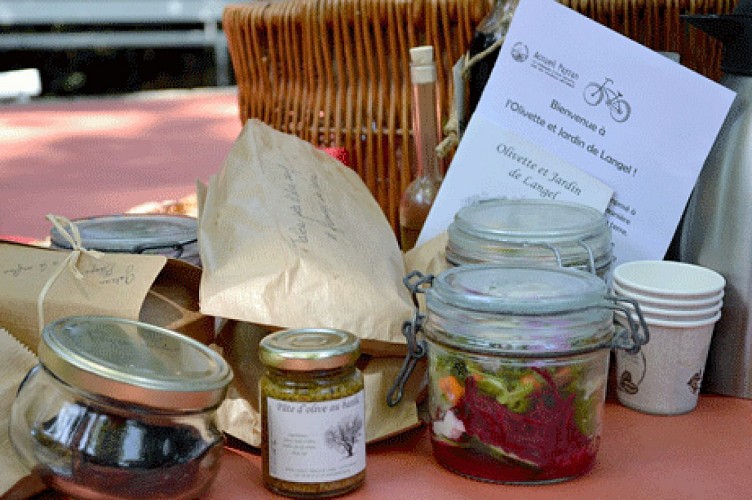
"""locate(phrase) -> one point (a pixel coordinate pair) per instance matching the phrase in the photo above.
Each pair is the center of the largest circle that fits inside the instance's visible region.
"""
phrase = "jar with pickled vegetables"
(312, 413)
(517, 366)
(531, 232)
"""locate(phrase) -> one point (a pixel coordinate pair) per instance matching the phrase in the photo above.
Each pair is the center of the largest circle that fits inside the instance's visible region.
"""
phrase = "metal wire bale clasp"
(178, 247)
(557, 254)
(417, 283)
(630, 338)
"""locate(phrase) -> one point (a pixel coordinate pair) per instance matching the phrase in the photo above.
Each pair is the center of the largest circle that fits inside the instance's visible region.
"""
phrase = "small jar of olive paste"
(312, 413)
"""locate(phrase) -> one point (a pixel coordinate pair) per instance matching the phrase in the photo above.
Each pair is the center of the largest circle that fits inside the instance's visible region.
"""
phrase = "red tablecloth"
(85, 157)
(89, 157)
(704, 454)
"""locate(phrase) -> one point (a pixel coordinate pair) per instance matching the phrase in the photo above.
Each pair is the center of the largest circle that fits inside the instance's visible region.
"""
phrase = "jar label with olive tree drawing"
(321, 441)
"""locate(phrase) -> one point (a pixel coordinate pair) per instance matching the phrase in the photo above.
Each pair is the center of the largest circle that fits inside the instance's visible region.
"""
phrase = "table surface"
(112, 145)
(99, 156)
(703, 454)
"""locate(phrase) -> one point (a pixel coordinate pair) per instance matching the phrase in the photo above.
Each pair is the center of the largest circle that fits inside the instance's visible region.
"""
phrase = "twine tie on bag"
(73, 237)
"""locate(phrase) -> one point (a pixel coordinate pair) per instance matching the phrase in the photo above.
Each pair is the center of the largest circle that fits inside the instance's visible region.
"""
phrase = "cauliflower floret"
(450, 427)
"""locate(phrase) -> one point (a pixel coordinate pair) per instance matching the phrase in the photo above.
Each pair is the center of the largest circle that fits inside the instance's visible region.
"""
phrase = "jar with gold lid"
(121, 409)
(313, 413)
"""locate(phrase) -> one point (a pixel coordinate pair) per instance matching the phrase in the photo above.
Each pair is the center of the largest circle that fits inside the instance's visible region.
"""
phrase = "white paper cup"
(664, 378)
(676, 314)
(668, 303)
(668, 279)
(677, 317)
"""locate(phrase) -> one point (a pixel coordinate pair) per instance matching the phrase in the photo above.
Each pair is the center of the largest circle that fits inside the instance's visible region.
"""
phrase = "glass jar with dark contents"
(312, 413)
(121, 409)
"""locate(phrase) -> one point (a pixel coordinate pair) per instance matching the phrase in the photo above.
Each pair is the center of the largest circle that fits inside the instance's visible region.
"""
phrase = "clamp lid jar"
(121, 409)
(517, 365)
(530, 232)
(519, 311)
(174, 236)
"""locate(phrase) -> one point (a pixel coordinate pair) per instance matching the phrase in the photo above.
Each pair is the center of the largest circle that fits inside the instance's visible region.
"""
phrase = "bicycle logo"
(595, 93)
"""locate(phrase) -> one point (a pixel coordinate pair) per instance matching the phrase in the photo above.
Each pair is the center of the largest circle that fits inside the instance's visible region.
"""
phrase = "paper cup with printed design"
(664, 378)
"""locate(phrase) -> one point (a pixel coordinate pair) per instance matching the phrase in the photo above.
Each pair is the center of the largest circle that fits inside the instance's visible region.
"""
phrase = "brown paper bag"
(172, 302)
(17, 361)
(149, 288)
(430, 257)
(240, 413)
(290, 237)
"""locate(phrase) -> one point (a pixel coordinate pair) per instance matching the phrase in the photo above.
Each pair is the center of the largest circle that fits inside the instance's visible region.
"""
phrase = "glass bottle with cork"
(419, 195)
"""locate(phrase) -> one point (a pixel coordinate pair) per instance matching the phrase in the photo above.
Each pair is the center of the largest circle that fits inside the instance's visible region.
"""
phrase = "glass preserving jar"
(312, 413)
(170, 235)
(517, 366)
(121, 409)
(531, 232)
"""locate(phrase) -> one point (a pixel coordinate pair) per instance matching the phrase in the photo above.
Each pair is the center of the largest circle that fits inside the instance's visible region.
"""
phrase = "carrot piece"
(451, 388)
(531, 380)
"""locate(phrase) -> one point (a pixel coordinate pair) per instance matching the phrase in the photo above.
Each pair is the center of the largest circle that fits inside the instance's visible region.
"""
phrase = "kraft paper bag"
(17, 361)
(106, 285)
(172, 302)
(429, 257)
(149, 288)
(240, 414)
(290, 237)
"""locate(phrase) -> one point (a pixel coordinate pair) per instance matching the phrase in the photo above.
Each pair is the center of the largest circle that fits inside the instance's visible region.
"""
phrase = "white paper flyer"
(574, 111)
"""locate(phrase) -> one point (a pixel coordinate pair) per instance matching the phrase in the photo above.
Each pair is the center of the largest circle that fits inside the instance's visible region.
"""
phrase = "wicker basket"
(336, 72)
(656, 24)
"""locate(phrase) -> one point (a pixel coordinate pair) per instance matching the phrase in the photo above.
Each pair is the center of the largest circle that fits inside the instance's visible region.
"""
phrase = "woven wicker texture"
(336, 72)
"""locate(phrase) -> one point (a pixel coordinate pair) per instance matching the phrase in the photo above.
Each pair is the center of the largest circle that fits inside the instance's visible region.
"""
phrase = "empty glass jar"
(531, 232)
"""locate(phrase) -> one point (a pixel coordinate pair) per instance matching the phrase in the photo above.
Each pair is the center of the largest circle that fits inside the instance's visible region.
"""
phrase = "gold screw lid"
(308, 349)
(134, 362)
